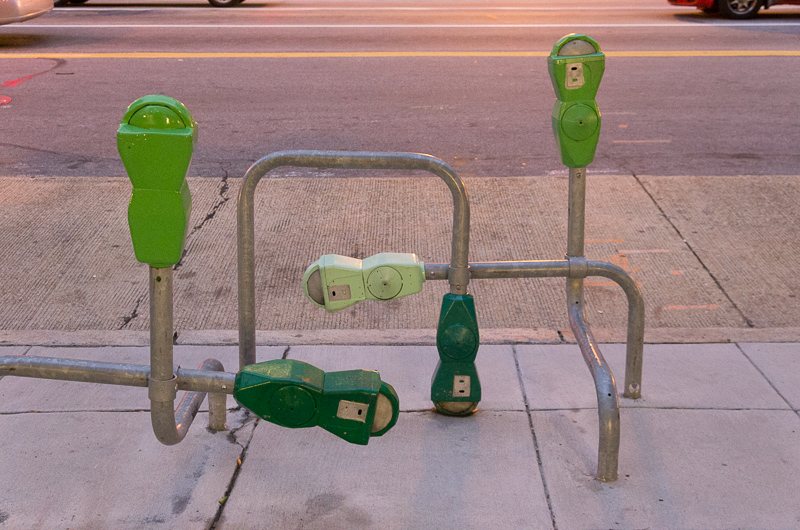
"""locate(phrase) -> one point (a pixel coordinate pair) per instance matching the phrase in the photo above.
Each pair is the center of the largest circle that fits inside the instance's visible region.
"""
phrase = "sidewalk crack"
(239, 463)
(219, 202)
(126, 320)
(747, 321)
(533, 435)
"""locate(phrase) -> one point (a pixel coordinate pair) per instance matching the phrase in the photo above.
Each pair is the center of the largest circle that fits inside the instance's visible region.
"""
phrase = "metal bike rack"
(457, 270)
(576, 122)
(575, 268)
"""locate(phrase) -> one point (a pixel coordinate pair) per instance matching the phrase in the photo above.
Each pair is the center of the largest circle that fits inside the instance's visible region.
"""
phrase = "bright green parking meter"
(156, 140)
(354, 405)
(576, 66)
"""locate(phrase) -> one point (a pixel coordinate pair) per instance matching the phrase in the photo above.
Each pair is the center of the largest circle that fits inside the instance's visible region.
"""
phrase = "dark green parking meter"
(155, 141)
(455, 387)
(576, 66)
(354, 405)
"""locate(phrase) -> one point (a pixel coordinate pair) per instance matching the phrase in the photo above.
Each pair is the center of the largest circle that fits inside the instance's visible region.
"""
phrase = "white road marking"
(370, 8)
(413, 26)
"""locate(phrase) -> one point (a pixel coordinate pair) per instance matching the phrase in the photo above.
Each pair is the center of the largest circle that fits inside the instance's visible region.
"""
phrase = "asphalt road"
(464, 81)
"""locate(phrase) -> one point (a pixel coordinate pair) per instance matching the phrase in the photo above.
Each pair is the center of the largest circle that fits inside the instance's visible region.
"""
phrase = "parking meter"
(455, 387)
(576, 66)
(336, 282)
(156, 140)
(354, 405)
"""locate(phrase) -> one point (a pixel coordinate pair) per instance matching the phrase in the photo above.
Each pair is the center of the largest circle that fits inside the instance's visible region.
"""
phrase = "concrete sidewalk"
(714, 443)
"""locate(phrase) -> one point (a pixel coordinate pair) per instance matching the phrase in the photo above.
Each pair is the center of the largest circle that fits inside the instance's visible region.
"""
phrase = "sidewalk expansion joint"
(533, 436)
(775, 388)
(644, 407)
(694, 253)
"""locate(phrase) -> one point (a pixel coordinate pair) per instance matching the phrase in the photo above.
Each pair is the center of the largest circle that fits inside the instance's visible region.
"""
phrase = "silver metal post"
(605, 386)
(577, 212)
(169, 425)
(458, 270)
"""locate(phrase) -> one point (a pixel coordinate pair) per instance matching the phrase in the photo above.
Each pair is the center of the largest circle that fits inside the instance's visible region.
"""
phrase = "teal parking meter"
(156, 140)
(455, 387)
(576, 66)
(354, 405)
(336, 282)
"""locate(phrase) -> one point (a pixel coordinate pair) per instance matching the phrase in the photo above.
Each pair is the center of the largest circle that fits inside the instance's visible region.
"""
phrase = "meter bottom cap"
(314, 286)
(456, 408)
(384, 413)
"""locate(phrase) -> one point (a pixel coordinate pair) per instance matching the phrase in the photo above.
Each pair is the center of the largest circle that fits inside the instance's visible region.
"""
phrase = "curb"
(398, 337)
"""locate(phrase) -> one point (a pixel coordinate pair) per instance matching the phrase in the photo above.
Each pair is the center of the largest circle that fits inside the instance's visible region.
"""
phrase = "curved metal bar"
(635, 340)
(111, 373)
(557, 268)
(170, 425)
(606, 388)
(217, 410)
(459, 262)
(561, 268)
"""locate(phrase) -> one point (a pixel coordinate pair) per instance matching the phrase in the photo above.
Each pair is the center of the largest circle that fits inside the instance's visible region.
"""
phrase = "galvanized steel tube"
(577, 212)
(458, 272)
(111, 373)
(561, 268)
(504, 269)
(169, 425)
(635, 338)
(74, 370)
(605, 387)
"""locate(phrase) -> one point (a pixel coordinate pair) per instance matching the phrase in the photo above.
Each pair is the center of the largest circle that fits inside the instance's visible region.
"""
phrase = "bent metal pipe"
(458, 274)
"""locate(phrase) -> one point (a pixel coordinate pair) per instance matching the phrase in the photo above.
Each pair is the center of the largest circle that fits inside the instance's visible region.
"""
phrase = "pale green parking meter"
(336, 282)
(576, 66)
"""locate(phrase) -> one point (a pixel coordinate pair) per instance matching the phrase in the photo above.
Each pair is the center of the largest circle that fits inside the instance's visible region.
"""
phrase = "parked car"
(736, 9)
(19, 10)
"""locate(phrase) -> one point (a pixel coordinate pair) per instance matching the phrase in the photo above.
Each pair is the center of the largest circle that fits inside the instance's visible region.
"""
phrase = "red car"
(738, 9)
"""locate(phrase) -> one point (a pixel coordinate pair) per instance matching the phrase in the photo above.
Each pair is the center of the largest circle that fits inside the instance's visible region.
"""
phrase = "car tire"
(224, 3)
(713, 10)
(60, 3)
(739, 9)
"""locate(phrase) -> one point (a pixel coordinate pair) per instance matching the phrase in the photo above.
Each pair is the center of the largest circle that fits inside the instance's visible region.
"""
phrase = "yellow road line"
(641, 141)
(327, 55)
(711, 306)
